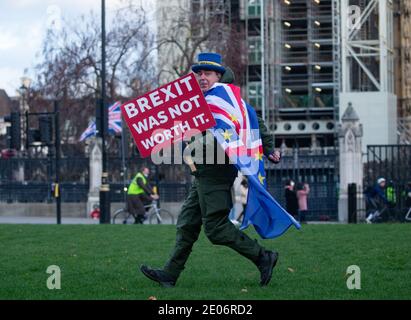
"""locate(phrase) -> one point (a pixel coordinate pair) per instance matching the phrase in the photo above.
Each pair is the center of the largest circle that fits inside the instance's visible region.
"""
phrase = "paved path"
(46, 220)
(53, 220)
(68, 220)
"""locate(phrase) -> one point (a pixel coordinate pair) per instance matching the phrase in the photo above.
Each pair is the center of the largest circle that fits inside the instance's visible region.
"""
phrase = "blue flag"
(237, 132)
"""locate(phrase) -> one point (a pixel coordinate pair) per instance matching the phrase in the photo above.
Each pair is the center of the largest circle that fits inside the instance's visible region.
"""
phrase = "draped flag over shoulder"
(114, 122)
(237, 131)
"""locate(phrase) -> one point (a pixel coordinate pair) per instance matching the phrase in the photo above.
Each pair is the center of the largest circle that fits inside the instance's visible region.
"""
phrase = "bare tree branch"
(189, 31)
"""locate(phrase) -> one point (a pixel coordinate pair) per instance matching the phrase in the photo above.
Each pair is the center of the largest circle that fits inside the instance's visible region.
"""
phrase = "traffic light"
(13, 132)
(46, 129)
(33, 135)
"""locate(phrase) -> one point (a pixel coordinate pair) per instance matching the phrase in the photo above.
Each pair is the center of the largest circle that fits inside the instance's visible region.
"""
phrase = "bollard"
(352, 203)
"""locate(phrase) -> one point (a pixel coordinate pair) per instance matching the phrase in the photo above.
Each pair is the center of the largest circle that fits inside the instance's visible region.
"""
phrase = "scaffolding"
(368, 46)
(301, 65)
(301, 57)
(367, 54)
(336, 27)
(293, 72)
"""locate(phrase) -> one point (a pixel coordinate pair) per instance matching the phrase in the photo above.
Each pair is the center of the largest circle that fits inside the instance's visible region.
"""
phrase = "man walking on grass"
(209, 201)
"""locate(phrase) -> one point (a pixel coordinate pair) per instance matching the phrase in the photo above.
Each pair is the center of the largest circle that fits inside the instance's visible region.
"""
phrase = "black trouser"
(208, 204)
(302, 215)
(135, 205)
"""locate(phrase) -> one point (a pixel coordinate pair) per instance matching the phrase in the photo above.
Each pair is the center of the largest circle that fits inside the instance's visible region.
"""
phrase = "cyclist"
(139, 194)
(375, 196)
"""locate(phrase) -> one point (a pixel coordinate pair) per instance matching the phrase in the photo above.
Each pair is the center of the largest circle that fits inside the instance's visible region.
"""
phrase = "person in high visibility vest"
(390, 193)
(140, 193)
(391, 196)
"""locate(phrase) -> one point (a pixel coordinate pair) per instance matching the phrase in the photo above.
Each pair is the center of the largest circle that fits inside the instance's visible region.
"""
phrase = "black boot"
(266, 263)
(139, 220)
(159, 276)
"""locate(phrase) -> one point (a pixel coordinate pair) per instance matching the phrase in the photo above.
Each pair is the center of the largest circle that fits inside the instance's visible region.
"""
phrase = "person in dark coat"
(291, 202)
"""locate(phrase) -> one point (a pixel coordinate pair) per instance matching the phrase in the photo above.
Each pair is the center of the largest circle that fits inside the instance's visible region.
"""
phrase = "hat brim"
(198, 67)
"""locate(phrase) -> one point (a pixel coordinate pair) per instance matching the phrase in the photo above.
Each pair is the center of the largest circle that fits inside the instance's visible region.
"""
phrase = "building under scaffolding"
(368, 61)
(308, 59)
(306, 62)
(296, 55)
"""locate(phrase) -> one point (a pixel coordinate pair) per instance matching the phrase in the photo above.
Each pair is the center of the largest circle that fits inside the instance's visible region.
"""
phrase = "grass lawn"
(101, 262)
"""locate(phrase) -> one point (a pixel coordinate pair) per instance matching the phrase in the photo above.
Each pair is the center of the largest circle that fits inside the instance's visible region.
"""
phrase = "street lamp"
(105, 186)
(262, 34)
(24, 106)
(26, 82)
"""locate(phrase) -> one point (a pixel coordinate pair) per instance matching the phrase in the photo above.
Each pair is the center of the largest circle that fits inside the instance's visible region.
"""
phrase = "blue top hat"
(209, 61)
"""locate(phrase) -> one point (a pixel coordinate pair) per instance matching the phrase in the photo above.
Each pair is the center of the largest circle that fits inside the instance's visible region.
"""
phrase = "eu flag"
(237, 132)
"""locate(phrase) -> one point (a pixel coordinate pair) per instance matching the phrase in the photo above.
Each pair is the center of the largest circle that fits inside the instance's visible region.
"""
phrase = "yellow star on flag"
(261, 178)
(227, 135)
(233, 118)
(258, 156)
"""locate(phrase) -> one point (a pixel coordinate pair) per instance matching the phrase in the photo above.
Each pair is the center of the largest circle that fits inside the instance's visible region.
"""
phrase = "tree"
(72, 56)
(70, 70)
(185, 30)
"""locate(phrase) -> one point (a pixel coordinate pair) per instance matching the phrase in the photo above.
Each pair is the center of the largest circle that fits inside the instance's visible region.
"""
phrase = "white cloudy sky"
(23, 24)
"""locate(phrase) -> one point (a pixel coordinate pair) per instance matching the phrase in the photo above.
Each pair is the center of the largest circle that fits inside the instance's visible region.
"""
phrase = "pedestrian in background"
(303, 190)
(243, 198)
(291, 202)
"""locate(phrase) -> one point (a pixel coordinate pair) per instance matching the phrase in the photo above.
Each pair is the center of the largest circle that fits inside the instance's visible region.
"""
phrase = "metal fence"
(392, 162)
(42, 192)
(320, 171)
(28, 170)
(29, 180)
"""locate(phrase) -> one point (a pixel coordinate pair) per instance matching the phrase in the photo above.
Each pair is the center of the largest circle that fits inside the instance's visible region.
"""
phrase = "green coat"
(210, 147)
(208, 204)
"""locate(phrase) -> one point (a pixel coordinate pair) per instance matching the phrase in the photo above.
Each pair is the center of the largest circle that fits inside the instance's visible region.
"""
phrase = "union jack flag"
(114, 122)
(114, 118)
(237, 132)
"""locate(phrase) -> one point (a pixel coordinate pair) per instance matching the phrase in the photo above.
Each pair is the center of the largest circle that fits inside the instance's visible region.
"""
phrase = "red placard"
(168, 114)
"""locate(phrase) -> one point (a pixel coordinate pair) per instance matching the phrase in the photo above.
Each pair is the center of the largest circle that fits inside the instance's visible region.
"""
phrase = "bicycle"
(154, 214)
(375, 215)
(408, 215)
